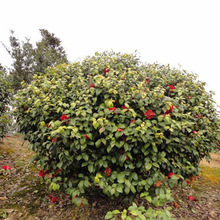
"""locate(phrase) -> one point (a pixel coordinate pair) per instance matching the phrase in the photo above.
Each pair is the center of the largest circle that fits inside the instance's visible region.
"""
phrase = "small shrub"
(5, 93)
(113, 123)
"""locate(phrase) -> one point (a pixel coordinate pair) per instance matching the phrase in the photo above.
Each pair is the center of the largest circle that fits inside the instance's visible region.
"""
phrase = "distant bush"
(5, 94)
(114, 123)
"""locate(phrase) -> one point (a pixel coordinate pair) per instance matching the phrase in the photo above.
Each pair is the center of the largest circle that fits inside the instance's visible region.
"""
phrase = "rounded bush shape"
(114, 123)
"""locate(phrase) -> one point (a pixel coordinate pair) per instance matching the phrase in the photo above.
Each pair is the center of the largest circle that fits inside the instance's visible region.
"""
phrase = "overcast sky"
(175, 32)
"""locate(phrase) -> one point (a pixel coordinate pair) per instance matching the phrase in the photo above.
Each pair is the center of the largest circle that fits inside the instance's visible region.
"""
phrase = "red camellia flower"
(58, 170)
(149, 114)
(108, 171)
(187, 181)
(48, 125)
(53, 199)
(191, 198)
(63, 117)
(6, 168)
(8, 136)
(127, 157)
(6, 107)
(172, 87)
(188, 97)
(124, 107)
(171, 174)
(120, 130)
(170, 110)
(43, 173)
(92, 85)
(54, 139)
(106, 70)
(86, 137)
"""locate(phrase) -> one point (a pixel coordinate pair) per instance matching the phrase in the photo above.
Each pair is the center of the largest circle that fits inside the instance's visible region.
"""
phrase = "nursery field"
(24, 194)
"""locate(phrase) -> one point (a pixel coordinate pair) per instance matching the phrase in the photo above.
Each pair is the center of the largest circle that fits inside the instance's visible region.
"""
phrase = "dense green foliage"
(114, 123)
(5, 93)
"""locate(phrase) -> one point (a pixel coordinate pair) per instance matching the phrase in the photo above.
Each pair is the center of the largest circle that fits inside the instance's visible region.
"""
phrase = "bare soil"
(23, 194)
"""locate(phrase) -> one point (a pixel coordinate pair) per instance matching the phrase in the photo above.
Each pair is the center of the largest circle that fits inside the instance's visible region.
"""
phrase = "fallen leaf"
(175, 204)
(3, 198)
(158, 184)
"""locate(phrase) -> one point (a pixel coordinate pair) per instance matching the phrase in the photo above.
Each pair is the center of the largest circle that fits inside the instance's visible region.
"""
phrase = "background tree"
(28, 60)
(48, 52)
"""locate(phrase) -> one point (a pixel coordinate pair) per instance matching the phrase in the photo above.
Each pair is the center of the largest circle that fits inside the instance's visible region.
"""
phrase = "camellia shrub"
(5, 94)
(114, 123)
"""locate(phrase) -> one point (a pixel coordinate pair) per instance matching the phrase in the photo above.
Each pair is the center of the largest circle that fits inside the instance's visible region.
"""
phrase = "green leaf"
(101, 130)
(120, 177)
(85, 157)
(81, 183)
(95, 123)
(108, 215)
(115, 212)
(134, 176)
(91, 168)
(124, 214)
(127, 189)
(112, 191)
(148, 166)
(133, 189)
(119, 188)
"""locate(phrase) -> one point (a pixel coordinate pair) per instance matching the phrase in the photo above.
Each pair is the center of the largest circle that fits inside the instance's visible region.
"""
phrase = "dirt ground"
(23, 194)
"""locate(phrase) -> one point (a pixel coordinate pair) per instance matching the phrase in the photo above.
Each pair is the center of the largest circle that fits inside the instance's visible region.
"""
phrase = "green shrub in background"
(5, 94)
(113, 123)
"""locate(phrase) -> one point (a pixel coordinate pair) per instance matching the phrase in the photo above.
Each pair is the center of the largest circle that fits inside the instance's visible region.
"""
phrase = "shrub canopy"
(115, 123)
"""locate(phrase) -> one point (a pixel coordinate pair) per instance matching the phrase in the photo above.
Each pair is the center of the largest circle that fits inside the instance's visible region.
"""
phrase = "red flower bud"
(6, 168)
(54, 140)
(87, 137)
(191, 198)
(132, 121)
(171, 174)
(63, 117)
(113, 109)
(124, 107)
(127, 157)
(172, 87)
(92, 85)
(106, 70)
(54, 199)
(119, 129)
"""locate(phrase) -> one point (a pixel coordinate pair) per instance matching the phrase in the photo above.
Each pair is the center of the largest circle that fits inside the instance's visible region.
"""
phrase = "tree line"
(29, 59)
